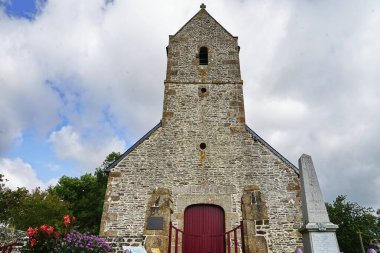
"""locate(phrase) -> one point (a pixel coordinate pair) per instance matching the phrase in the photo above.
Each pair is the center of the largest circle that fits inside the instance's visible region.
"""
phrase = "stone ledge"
(318, 227)
(205, 82)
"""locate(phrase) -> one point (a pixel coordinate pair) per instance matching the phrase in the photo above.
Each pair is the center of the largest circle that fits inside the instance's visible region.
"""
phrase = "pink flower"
(43, 228)
(33, 242)
(32, 231)
(49, 230)
(66, 220)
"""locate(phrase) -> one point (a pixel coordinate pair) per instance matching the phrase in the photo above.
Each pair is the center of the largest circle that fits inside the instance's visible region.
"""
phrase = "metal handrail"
(7, 248)
(225, 234)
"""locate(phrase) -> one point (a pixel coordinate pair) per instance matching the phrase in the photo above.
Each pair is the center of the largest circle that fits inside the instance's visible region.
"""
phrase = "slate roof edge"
(275, 152)
(146, 136)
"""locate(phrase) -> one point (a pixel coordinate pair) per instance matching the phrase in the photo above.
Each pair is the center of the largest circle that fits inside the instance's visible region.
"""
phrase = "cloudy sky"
(79, 79)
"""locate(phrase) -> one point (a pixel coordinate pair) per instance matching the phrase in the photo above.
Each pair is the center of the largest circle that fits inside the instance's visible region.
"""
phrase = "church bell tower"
(203, 82)
(202, 170)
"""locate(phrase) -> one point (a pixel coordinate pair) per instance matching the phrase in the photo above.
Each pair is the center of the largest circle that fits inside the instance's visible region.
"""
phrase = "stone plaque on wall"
(155, 223)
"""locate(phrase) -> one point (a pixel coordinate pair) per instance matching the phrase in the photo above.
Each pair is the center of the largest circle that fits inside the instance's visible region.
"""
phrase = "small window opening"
(202, 145)
(203, 56)
(203, 90)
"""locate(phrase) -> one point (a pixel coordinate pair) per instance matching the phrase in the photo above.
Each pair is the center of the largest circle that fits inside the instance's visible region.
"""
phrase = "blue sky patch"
(40, 155)
(28, 9)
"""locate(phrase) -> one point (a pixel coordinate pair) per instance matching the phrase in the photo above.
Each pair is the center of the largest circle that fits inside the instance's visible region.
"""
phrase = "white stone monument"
(318, 233)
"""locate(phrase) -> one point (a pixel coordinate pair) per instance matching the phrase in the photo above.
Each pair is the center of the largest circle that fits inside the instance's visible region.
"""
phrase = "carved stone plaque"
(155, 223)
(324, 242)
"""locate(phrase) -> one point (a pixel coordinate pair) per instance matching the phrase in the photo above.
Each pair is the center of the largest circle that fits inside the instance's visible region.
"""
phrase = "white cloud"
(325, 60)
(310, 73)
(89, 153)
(285, 112)
(21, 174)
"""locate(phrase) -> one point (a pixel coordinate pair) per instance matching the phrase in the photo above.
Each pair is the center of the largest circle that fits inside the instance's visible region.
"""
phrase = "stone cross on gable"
(203, 6)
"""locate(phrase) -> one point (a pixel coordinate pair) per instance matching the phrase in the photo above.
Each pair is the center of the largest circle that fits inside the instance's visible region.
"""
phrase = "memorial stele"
(318, 232)
(202, 160)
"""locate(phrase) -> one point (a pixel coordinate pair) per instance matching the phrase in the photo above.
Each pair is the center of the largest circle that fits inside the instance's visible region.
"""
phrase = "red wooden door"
(204, 229)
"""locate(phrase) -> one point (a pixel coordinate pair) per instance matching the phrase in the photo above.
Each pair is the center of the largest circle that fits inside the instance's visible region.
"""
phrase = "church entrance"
(204, 229)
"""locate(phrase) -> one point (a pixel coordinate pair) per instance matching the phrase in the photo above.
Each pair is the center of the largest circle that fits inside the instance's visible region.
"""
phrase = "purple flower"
(84, 243)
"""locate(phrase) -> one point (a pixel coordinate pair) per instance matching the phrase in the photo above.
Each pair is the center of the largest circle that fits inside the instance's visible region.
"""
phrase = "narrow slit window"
(203, 56)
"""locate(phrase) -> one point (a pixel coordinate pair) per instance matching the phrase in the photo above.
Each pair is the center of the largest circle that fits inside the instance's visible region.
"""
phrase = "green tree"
(86, 194)
(38, 208)
(353, 218)
(9, 200)
(109, 159)
(22, 209)
(83, 197)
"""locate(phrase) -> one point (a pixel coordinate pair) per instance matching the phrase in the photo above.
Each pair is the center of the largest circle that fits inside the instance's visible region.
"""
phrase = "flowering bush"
(78, 242)
(42, 239)
(47, 239)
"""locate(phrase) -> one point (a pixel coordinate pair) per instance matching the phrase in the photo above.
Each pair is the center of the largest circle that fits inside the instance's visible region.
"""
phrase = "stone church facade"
(202, 154)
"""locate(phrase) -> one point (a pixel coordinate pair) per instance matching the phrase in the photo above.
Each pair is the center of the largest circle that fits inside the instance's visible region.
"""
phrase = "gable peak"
(205, 15)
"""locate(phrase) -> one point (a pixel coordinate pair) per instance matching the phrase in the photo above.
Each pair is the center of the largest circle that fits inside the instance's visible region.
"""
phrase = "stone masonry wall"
(203, 104)
(219, 179)
(183, 53)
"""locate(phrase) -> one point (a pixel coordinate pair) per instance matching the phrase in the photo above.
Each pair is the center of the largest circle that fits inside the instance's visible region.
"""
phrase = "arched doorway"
(204, 229)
